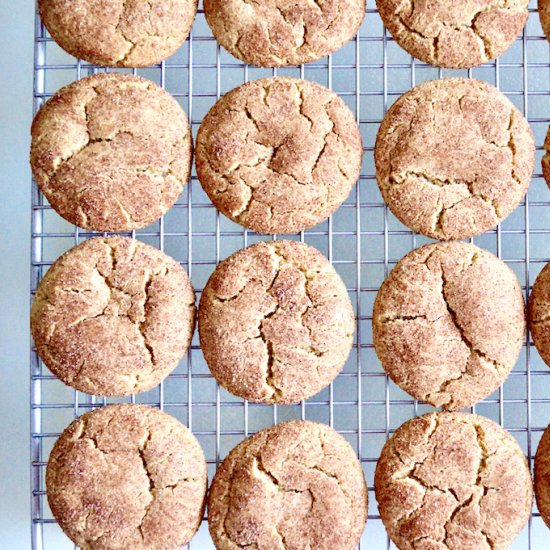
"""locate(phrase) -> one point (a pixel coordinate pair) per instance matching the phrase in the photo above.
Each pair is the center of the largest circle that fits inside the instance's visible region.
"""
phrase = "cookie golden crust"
(111, 152)
(456, 34)
(279, 155)
(275, 322)
(119, 33)
(544, 14)
(539, 314)
(453, 480)
(542, 477)
(113, 316)
(296, 485)
(453, 158)
(127, 476)
(276, 33)
(449, 323)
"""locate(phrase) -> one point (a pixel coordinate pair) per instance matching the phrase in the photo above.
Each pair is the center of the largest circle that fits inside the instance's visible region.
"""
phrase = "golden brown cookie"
(544, 14)
(111, 152)
(453, 158)
(275, 33)
(539, 313)
(127, 476)
(113, 316)
(449, 323)
(296, 485)
(457, 34)
(275, 322)
(119, 33)
(453, 481)
(542, 476)
(546, 158)
(278, 155)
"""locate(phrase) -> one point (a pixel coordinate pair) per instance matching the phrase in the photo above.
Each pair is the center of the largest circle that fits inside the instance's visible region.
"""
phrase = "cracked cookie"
(448, 324)
(296, 485)
(456, 34)
(275, 322)
(453, 158)
(113, 316)
(111, 152)
(539, 314)
(450, 481)
(276, 33)
(119, 33)
(127, 476)
(544, 14)
(546, 156)
(542, 476)
(279, 155)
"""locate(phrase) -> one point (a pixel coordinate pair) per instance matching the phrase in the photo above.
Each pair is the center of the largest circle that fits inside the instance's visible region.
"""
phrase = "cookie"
(278, 155)
(275, 322)
(544, 14)
(296, 485)
(272, 33)
(539, 314)
(546, 157)
(453, 158)
(453, 480)
(448, 324)
(117, 33)
(127, 476)
(113, 316)
(456, 34)
(111, 152)
(542, 476)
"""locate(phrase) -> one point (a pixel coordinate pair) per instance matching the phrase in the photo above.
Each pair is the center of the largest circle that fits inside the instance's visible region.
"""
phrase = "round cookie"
(453, 158)
(296, 485)
(539, 314)
(111, 152)
(127, 476)
(546, 158)
(275, 33)
(544, 14)
(542, 476)
(119, 33)
(275, 322)
(278, 155)
(113, 316)
(456, 34)
(448, 324)
(453, 480)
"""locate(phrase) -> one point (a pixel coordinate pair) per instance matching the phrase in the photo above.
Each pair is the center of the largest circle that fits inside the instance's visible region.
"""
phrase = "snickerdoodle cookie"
(448, 324)
(119, 33)
(275, 33)
(296, 485)
(539, 313)
(453, 158)
(275, 322)
(113, 316)
(457, 34)
(450, 481)
(111, 152)
(127, 476)
(542, 476)
(278, 155)
(544, 14)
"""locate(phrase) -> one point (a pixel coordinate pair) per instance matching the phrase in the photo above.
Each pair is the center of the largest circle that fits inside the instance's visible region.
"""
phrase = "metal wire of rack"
(362, 239)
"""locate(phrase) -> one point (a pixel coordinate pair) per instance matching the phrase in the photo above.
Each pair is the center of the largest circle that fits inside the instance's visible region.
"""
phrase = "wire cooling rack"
(362, 239)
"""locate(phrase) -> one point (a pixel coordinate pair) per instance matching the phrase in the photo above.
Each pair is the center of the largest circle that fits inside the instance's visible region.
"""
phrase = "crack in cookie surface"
(278, 155)
(113, 316)
(448, 324)
(111, 152)
(298, 484)
(453, 158)
(275, 322)
(453, 480)
(455, 34)
(114, 471)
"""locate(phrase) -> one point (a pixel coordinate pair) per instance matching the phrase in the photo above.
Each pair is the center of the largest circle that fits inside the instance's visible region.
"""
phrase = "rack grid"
(362, 240)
